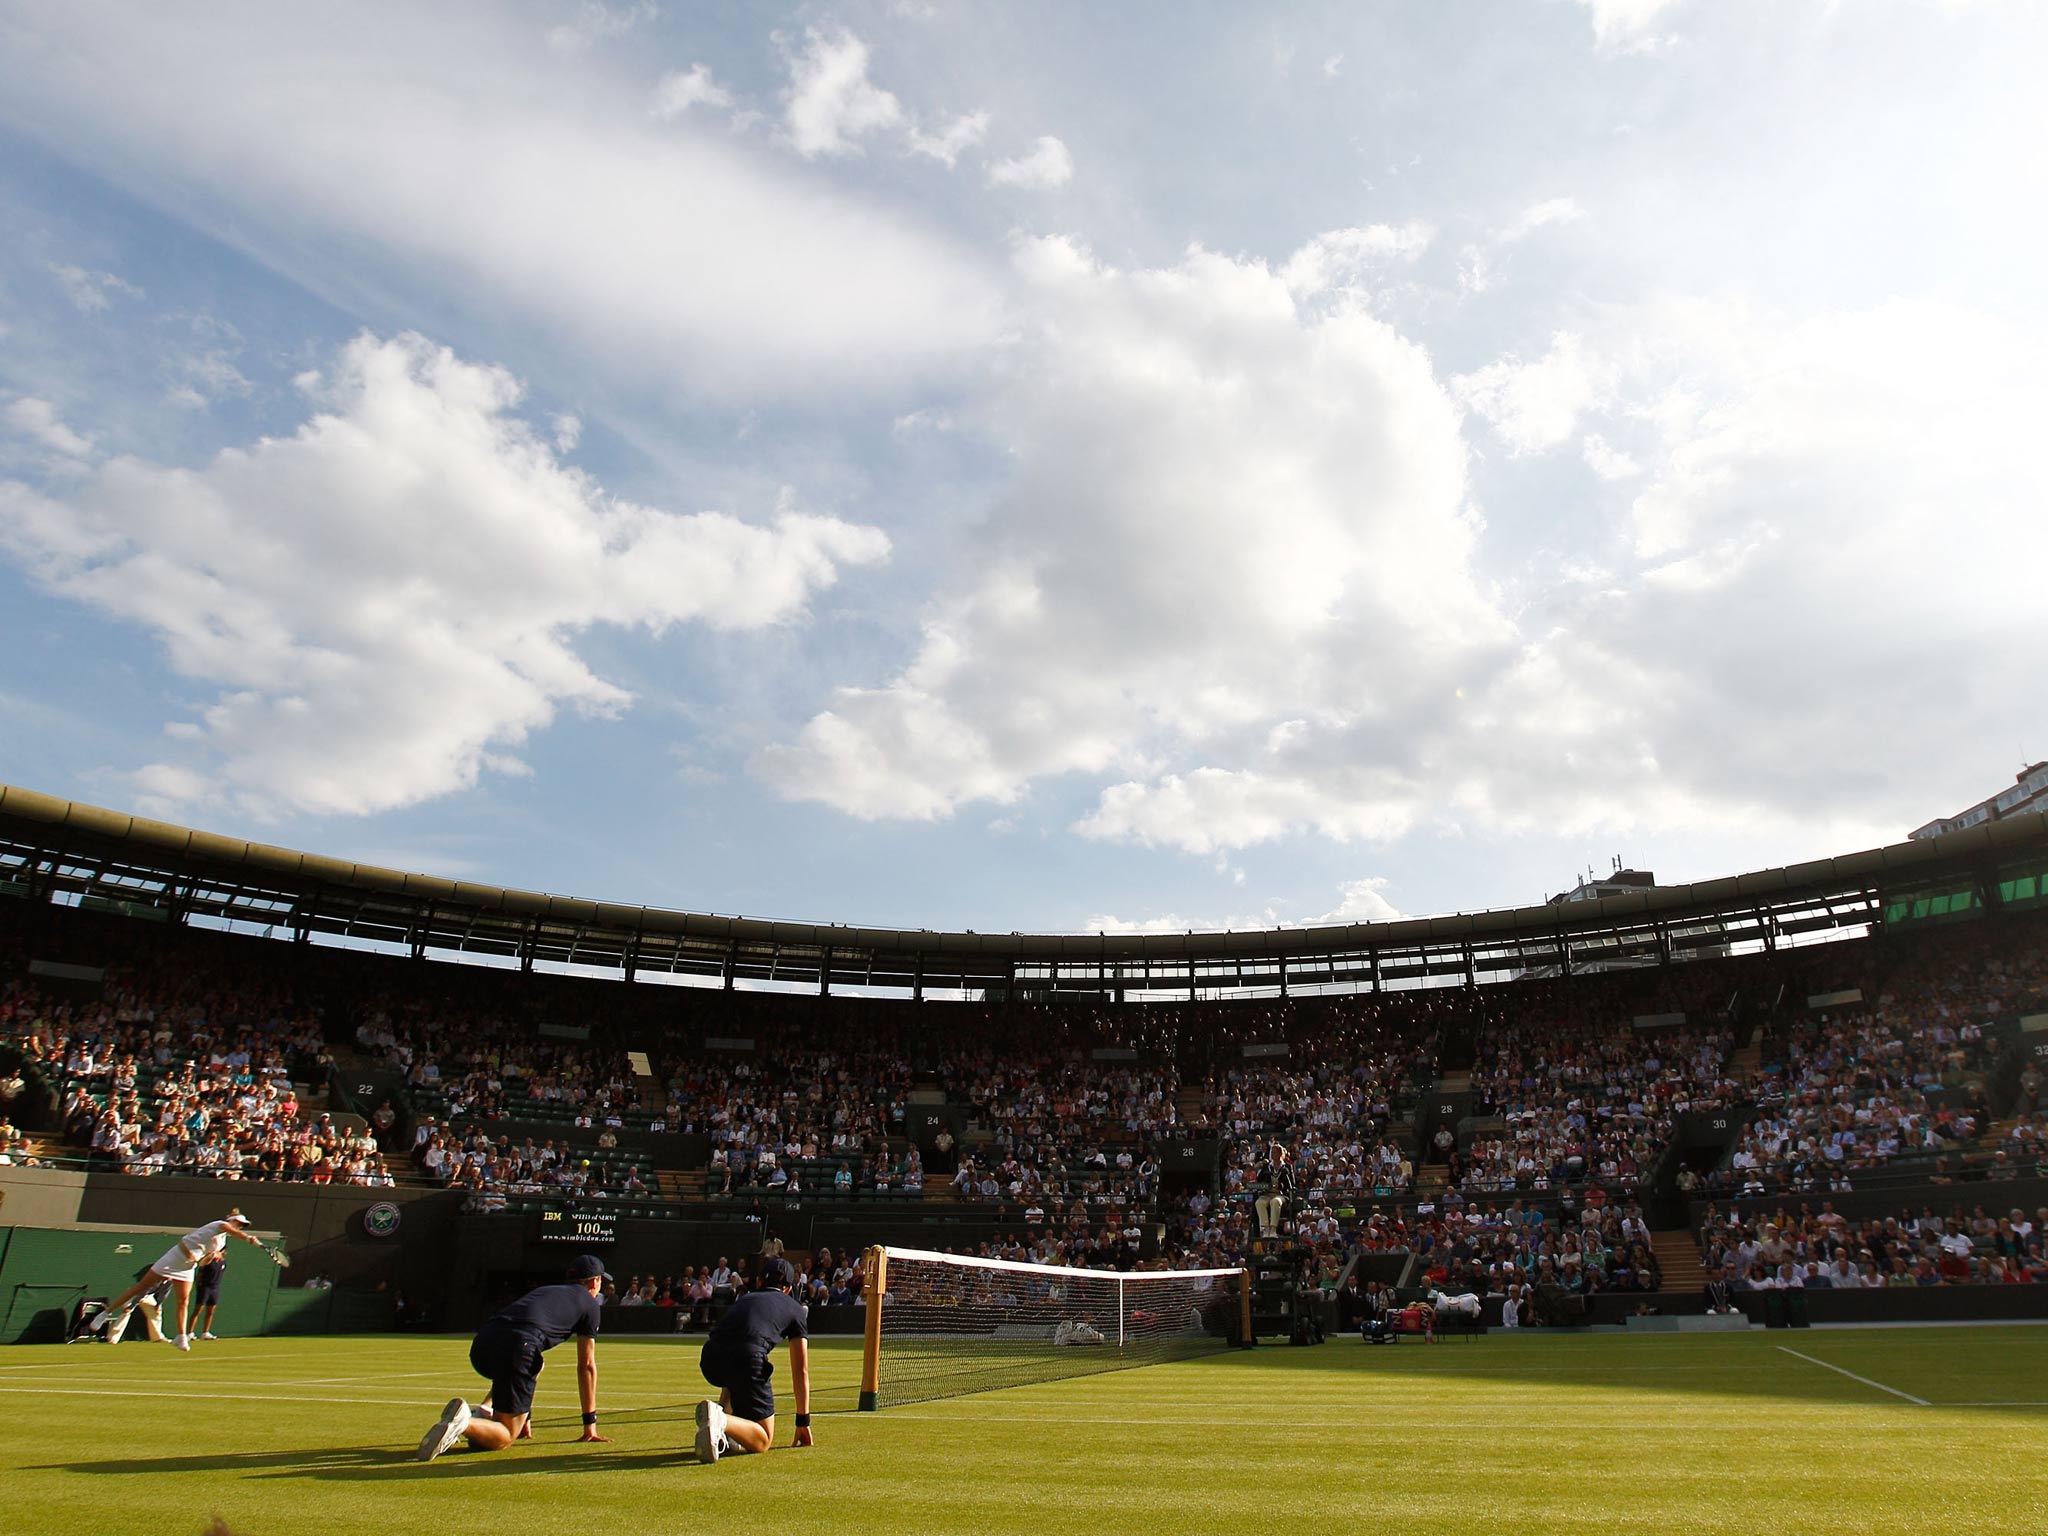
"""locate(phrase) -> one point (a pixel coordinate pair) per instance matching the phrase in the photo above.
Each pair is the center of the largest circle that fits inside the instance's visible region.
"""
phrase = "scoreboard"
(588, 1228)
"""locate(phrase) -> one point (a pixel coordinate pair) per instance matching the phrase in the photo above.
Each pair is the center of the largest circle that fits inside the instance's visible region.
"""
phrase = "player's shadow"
(382, 1464)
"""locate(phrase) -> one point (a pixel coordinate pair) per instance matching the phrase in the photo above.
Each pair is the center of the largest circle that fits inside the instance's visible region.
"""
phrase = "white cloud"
(680, 90)
(830, 103)
(1536, 406)
(1629, 26)
(161, 788)
(1363, 901)
(1333, 66)
(89, 291)
(388, 600)
(1340, 258)
(594, 22)
(201, 377)
(929, 419)
(1173, 922)
(1480, 262)
(1360, 901)
(1793, 632)
(1551, 211)
(1222, 502)
(1475, 270)
(1047, 166)
(1607, 461)
(1223, 591)
(1232, 582)
(37, 420)
(522, 190)
(947, 145)
(1212, 809)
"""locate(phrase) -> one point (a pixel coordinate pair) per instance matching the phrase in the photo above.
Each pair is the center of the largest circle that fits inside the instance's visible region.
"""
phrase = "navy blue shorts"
(510, 1361)
(747, 1380)
(206, 1286)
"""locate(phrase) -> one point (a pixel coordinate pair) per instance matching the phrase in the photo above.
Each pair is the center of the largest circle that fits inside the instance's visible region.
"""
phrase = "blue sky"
(1033, 467)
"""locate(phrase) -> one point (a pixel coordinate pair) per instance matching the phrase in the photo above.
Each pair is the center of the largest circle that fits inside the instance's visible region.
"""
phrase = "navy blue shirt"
(552, 1313)
(756, 1323)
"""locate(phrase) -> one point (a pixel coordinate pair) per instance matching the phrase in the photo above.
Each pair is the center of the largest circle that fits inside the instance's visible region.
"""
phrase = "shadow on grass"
(379, 1464)
(1981, 1370)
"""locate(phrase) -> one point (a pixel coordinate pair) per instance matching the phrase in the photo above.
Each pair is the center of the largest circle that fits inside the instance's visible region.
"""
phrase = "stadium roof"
(52, 848)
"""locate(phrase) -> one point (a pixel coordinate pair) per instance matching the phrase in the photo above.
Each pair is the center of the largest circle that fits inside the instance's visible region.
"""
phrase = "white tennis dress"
(194, 1249)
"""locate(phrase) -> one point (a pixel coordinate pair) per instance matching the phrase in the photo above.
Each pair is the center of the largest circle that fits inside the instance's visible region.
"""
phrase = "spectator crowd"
(186, 1069)
(1064, 1124)
(1822, 1249)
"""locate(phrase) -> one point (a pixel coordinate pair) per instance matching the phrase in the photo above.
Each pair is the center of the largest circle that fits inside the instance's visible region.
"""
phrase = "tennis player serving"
(178, 1265)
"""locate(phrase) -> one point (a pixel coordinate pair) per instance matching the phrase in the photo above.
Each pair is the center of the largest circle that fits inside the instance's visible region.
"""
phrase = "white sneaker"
(182, 1341)
(447, 1429)
(711, 1442)
(209, 1336)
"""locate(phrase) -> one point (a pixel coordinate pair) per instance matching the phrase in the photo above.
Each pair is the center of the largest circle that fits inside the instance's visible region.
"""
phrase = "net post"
(1244, 1309)
(871, 1349)
(1121, 1314)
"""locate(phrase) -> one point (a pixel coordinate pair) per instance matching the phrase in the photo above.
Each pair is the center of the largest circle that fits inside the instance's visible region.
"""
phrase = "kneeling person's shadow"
(382, 1464)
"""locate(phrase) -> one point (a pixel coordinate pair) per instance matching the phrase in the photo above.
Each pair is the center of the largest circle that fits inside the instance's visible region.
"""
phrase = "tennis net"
(948, 1325)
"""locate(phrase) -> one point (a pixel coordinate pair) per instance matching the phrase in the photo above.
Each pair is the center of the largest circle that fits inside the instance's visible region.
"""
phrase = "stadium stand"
(1531, 1141)
(1892, 1084)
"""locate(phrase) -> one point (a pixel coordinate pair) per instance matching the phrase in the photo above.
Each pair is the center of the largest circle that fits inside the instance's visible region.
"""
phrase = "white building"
(1696, 939)
(1621, 882)
(2029, 792)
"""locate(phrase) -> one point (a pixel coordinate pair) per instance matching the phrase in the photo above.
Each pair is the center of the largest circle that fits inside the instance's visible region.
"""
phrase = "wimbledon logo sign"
(381, 1219)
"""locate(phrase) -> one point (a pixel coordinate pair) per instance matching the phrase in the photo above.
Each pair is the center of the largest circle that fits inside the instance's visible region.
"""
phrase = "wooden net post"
(1244, 1309)
(876, 1286)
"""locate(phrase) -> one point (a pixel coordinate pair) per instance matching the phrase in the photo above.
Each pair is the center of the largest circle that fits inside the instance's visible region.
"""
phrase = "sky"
(1038, 466)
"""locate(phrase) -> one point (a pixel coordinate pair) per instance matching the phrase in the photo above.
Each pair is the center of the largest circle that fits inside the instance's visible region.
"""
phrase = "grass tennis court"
(1688, 1433)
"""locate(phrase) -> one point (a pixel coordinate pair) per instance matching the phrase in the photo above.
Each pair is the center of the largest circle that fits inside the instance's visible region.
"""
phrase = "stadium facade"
(99, 859)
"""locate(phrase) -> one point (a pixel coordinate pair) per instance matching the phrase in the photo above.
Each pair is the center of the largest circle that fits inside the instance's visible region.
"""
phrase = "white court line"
(1417, 1371)
(1895, 1392)
(1989, 1405)
(90, 1353)
(1240, 1422)
(370, 1381)
(225, 1397)
(200, 1387)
